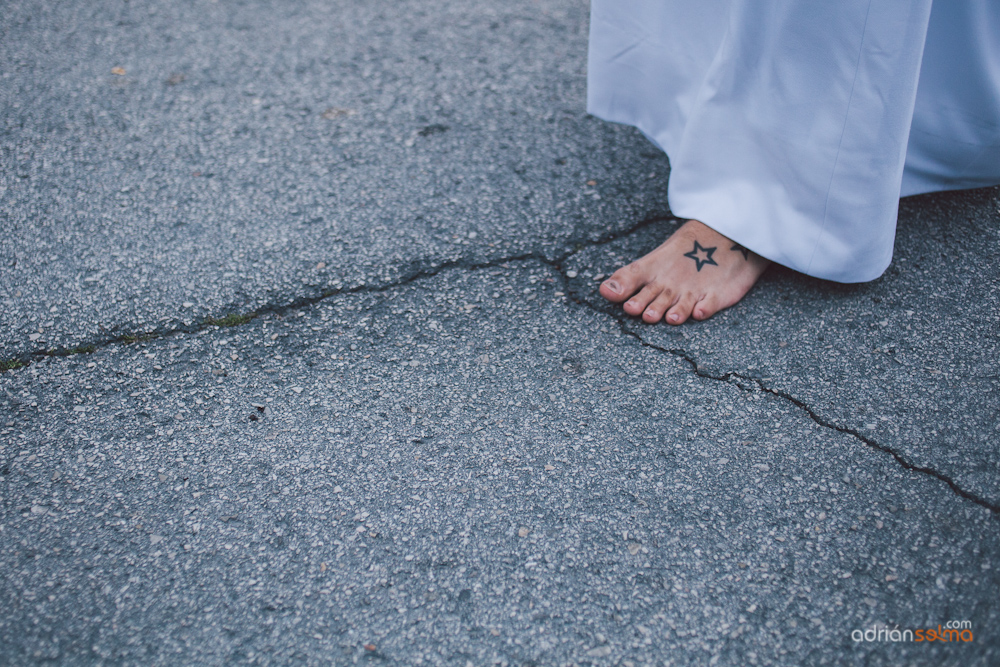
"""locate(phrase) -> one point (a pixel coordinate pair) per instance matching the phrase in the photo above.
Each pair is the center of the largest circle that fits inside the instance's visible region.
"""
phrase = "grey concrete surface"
(460, 472)
(254, 155)
(909, 363)
(423, 438)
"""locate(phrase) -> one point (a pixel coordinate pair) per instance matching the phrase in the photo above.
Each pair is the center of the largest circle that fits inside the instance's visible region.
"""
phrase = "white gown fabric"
(794, 126)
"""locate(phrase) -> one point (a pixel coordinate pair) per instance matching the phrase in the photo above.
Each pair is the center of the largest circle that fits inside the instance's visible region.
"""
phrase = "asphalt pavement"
(304, 363)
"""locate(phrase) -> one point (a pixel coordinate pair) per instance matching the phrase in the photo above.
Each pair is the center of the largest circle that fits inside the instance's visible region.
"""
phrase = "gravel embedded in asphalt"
(486, 477)
(338, 385)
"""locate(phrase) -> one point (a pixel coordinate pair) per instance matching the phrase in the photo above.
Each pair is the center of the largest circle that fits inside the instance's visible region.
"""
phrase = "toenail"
(675, 317)
(614, 287)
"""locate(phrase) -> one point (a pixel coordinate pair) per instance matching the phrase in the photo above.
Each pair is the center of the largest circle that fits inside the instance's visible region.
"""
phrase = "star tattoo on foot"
(739, 248)
(699, 260)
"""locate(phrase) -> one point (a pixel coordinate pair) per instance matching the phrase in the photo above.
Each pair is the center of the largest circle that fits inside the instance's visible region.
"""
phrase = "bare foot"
(695, 273)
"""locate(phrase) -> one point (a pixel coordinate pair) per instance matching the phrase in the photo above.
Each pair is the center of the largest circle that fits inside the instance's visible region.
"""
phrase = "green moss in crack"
(128, 339)
(230, 320)
(81, 349)
(11, 364)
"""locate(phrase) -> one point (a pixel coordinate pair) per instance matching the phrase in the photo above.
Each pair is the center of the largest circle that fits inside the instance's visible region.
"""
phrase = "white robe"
(793, 127)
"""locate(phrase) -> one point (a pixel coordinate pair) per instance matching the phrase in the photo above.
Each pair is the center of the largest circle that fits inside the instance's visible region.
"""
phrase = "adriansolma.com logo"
(952, 631)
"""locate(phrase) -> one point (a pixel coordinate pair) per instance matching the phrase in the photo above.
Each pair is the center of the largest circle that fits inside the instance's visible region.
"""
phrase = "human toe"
(637, 304)
(681, 311)
(707, 307)
(622, 284)
(655, 310)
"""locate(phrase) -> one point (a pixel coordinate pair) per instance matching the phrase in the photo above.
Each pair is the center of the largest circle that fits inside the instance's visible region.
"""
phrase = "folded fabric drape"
(793, 127)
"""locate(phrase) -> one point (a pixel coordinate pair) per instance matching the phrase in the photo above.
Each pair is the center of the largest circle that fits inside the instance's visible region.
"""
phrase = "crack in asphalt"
(431, 268)
(734, 377)
(427, 268)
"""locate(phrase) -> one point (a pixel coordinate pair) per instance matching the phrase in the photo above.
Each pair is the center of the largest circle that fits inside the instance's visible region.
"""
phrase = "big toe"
(622, 284)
